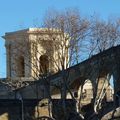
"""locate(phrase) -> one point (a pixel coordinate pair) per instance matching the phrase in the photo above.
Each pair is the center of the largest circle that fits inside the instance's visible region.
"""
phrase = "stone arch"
(102, 89)
(104, 83)
(80, 91)
(21, 66)
(87, 91)
(80, 86)
(44, 64)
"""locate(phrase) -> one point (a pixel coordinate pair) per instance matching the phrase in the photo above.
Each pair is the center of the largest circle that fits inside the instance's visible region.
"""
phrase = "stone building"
(32, 52)
(36, 52)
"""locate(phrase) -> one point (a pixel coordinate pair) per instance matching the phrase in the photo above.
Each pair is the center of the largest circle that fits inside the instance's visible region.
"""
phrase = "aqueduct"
(97, 67)
(102, 65)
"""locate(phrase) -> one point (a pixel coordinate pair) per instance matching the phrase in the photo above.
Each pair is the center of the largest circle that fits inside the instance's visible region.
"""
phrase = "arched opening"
(44, 64)
(87, 92)
(21, 67)
(105, 88)
(110, 90)
(111, 82)
(83, 92)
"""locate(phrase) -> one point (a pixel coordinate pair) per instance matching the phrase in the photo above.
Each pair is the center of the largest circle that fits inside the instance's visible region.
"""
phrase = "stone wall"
(16, 109)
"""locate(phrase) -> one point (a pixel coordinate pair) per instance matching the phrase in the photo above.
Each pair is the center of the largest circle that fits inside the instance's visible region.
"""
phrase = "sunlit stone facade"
(32, 52)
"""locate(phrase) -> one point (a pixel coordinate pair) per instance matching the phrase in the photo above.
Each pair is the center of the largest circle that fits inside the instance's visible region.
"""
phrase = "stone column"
(116, 79)
(116, 73)
(8, 59)
(93, 78)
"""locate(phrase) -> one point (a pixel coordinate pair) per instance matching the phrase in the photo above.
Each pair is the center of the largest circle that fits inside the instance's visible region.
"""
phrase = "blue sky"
(18, 14)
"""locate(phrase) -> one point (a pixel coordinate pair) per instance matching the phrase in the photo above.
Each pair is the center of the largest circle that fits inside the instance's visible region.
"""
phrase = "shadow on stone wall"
(16, 109)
